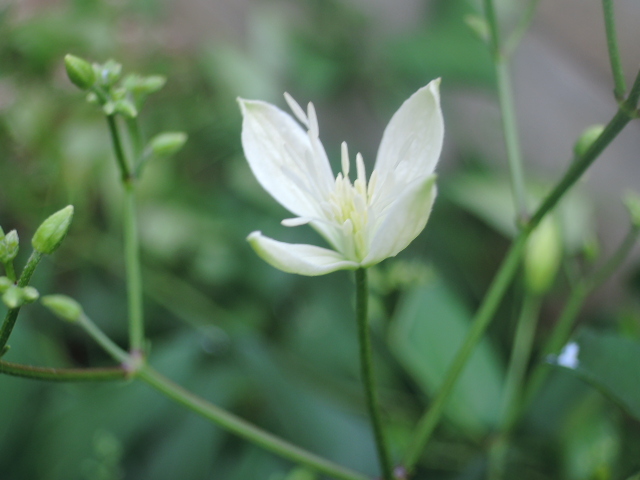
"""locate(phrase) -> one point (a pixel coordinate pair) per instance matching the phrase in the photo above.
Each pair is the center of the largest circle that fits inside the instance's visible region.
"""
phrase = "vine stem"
(614, 53)
(366, 369)
(506, 272)
(507, 113)
(12, 315)
(63, 374)
(133, 270)
(131, 242)
(136, 367)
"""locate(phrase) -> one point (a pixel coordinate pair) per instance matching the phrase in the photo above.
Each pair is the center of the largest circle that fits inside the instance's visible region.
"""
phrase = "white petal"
(282, 159)
(414, 135)
(298, 258)
(402, 222)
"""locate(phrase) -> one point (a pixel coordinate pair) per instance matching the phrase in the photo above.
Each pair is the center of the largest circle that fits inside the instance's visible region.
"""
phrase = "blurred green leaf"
(429, 327)
(610, 363)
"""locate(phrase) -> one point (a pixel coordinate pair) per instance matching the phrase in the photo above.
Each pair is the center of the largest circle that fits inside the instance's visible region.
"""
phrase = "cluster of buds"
(45, 241)
(14, 296)
(122, 95)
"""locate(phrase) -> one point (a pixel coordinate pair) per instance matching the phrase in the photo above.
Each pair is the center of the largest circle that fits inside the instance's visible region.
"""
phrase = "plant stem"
(226, 420)
(566, 321)
(366, 369)
(131, 243)
(520, 355)
(12, 315)
(244, 429)
(133, 272)
(620, 86)
(63, 374)
(125, 169)
(507, 113)
(104, 341)
(511, 140)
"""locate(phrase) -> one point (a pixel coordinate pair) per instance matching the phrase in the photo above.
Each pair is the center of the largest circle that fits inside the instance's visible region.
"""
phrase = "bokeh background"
(279, 349)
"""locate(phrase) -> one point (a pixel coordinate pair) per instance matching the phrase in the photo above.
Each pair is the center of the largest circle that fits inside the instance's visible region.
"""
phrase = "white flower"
(364, 221)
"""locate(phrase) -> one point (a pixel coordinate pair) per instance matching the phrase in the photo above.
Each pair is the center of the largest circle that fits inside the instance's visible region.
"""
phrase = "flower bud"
(65, 308)
(108, 73)
(587, 138)
(9, 246)
(80, 72)
(543, 256)
(632, 202)
(52, 231)
(125, 107)
(5, 283)
(167, 143)
(144, 85)
(13, 297)
(30, 294)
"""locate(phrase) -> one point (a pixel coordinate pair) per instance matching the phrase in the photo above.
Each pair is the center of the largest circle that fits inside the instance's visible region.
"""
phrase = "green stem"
(63, 374)
(125, 169)
(133, 270)
(430, 419)
(512, 142)
(12, 315)
(507, 270)
(566, 321)
(104, 341)
(244, 429)
(507, 113)
(366, 368)
(620, 86)
(236, 425)
(520, 355)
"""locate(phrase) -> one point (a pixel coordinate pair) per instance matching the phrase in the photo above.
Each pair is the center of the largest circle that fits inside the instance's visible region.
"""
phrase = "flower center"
(350, 207)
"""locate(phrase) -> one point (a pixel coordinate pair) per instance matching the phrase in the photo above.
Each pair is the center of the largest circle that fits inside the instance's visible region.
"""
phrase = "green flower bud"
(5, 283)
(108, 73)
(125, 107)
(13, 297)
(52, 231)
(167, 143)
(587, 138)
(632, 202)
(63, 307)
(30, 294)
(80, 72)
(9, 246)
(543, 256)
(144, 85)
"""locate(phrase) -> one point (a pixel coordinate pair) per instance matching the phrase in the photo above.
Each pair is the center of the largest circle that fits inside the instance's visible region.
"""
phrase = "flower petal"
(298, 258)
(412, 142)
(282, 157)
(403, 221)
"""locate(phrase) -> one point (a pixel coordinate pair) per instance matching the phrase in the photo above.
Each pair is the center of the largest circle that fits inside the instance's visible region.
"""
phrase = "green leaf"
(609, 362)
(428, 329)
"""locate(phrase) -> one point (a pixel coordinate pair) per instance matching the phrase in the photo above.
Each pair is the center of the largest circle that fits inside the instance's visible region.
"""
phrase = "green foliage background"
(277, 349)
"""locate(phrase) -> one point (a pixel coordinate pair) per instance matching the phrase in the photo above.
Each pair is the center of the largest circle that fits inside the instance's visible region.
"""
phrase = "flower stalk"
(368, 378)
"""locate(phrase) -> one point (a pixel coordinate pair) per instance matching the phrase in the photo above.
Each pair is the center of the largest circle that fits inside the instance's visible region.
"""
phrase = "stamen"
(345, 160)
(314, 131)
(360, 168)
(296, 109)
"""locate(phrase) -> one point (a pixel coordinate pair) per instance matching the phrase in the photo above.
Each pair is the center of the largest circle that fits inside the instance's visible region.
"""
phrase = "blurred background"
(280, 349)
